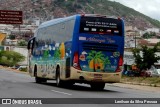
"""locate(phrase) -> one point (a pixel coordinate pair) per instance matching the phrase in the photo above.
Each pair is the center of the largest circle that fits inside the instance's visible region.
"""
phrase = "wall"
(22, 51)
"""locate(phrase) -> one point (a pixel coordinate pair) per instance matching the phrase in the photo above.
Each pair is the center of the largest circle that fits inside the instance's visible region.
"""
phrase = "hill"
(48, 9)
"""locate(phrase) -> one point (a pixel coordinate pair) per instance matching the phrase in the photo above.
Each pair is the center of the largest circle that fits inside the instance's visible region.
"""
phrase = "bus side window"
(68, 46)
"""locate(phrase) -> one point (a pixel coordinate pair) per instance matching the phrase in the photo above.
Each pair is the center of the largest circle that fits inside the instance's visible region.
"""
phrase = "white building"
(128, 58)
(153, 41)
(6, 28)
(156, 30)
(20, 50)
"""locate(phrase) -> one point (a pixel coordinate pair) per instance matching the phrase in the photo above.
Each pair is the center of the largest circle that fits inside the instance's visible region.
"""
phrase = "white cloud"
(147, 7)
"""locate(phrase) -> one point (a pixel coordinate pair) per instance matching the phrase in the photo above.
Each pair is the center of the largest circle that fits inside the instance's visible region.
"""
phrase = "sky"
(150, 8)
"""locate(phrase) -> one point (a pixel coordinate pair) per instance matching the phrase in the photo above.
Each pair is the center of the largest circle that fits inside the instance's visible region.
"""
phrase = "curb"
(14, 70)
(136, 87)
(142, 84)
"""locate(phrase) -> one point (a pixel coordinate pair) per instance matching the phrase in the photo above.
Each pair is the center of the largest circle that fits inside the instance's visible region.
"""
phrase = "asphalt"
(14, 84)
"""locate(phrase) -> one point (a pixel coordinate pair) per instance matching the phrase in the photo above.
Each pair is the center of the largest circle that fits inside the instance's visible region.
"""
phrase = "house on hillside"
(130, 38)
(11, 42)
(153, 41)
(156, 30)
(148, 42)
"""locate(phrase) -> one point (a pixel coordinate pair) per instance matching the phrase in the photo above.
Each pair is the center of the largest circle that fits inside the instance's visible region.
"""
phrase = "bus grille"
(100, 47)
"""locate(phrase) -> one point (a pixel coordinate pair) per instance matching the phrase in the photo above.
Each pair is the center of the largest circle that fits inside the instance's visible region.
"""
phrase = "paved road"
(18, 85)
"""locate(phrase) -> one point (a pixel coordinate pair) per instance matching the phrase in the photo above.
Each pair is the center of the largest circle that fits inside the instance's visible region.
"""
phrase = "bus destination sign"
(11, 17)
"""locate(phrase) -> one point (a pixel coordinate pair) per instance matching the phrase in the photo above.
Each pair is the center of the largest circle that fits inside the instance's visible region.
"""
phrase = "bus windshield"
(100, 25)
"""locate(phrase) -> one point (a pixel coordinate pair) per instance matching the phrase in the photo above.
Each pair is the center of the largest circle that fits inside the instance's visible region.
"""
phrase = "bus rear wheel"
(97, 86)
(38, 80)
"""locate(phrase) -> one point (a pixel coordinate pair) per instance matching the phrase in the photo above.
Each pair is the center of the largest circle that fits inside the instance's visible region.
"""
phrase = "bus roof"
(58, 20)
(55, 21)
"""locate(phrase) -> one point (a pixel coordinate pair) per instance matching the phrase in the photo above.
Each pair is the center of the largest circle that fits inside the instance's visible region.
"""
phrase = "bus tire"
(59, 82)
(68, 84)
(97, 86)
(37, 79)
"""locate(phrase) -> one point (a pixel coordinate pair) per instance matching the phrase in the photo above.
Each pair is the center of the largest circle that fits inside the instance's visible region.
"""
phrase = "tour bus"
(84, 48)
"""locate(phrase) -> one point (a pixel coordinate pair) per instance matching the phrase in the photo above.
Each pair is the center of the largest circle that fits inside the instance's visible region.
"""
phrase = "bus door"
(30, 47)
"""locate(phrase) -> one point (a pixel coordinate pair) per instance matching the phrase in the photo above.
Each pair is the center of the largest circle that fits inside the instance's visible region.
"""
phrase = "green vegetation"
(70, 5)
(149, 35)
(117, 9)
(22, 43)
(105, 7)
(12, 37)
(148, 57)
(10, 58)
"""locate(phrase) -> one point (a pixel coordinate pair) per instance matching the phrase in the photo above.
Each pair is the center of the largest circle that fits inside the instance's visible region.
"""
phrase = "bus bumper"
(87, 76)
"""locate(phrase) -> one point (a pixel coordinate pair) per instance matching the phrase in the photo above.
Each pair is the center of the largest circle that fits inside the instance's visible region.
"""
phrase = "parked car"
(154, 72)
(21, 67)
(131, 73)
(145, 73)
(158, 71)
(15, 67)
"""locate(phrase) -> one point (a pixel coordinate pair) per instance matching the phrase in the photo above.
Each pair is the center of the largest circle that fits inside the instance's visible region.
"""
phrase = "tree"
(146, 35)
(12, 37)
(22, 43)
(149, 35)
(10, 58)
(145, 57)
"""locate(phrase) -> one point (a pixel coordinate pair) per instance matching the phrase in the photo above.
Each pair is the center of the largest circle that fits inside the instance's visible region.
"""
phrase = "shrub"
(23, 69)
(22, 43)
(10, 58)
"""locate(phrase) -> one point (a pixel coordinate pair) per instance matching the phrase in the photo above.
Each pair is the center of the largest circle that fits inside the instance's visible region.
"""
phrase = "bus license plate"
(97, 76)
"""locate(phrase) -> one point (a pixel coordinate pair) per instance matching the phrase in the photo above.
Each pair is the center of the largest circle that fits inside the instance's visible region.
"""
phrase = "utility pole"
(135, 30)
(135, 40)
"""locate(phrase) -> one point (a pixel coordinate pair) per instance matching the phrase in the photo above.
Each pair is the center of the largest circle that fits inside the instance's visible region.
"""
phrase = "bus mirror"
(28, 46)
(30, 43)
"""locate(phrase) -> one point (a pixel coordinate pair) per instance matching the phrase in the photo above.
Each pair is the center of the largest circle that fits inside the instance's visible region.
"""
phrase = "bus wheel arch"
(37, 79)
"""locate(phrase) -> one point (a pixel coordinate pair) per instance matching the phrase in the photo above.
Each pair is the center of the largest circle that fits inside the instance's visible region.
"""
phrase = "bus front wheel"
(97, 86)
(59, 82)
(38, 79)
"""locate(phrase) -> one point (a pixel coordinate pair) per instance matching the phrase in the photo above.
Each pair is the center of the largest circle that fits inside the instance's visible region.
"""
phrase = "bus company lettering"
(100, 40)
(110, 40)
(95, 40)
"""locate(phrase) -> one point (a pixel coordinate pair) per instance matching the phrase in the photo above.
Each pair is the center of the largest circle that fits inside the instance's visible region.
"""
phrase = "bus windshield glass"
(101, 25)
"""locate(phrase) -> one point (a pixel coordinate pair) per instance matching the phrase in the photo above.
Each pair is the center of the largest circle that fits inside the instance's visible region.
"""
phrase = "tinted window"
(100, 25)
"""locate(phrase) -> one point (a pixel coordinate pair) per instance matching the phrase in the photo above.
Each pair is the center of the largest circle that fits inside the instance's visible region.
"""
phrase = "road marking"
(61, 92)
